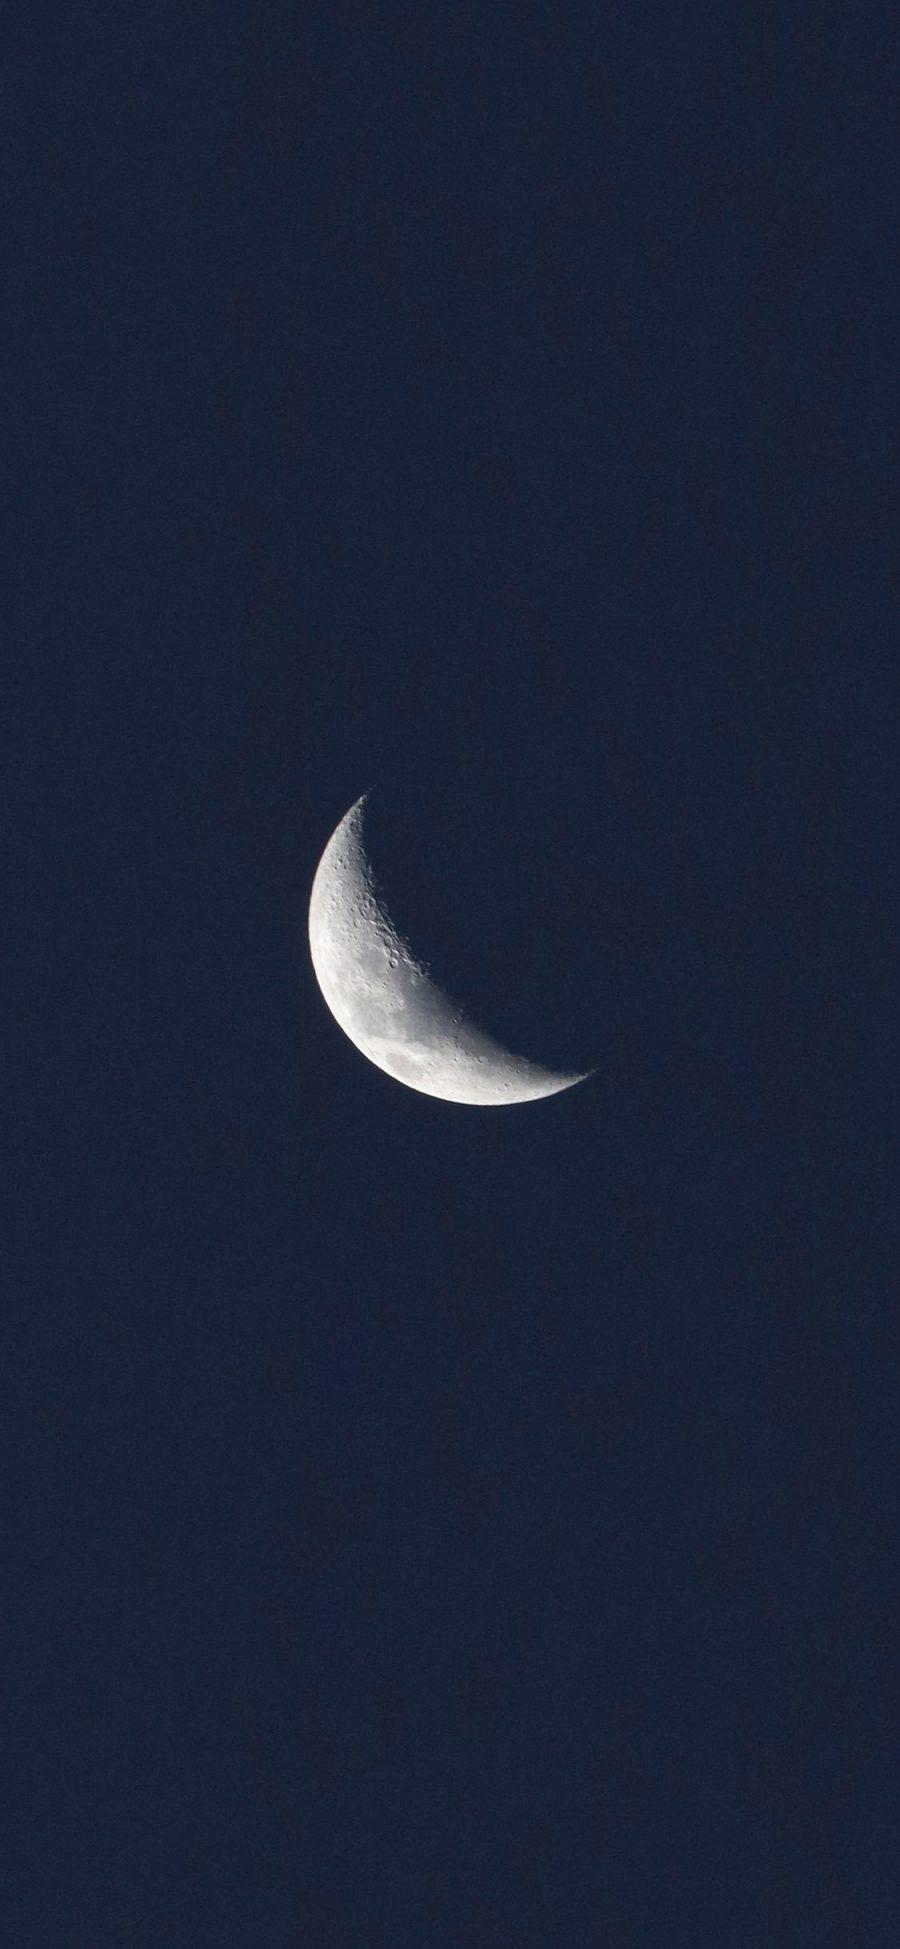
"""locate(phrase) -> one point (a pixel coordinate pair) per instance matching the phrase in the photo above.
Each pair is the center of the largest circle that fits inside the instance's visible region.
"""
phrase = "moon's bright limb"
(388, 1003)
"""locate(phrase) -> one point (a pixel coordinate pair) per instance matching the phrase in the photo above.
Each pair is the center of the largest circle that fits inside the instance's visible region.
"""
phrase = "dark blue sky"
(424, 1525)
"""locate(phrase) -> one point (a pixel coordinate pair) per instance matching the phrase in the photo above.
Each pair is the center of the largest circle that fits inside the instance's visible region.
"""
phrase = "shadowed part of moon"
(387, 1001)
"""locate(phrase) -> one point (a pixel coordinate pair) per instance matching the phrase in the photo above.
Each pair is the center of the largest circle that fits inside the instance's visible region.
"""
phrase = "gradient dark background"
(427, 1525)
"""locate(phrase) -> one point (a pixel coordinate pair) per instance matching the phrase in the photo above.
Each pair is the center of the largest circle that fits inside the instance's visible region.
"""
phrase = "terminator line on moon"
(388, 1002)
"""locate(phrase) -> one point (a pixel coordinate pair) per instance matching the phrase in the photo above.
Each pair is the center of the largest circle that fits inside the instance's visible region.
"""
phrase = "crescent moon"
(388, 1002)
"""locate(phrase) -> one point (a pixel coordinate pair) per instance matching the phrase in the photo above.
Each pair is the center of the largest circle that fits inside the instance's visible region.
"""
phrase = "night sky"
(423, 1524)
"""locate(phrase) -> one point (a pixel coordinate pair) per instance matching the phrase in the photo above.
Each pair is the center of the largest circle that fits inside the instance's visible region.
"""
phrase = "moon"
(388, 1002)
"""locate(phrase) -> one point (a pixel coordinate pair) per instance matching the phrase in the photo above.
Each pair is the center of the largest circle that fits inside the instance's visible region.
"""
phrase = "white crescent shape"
(387, 1001)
